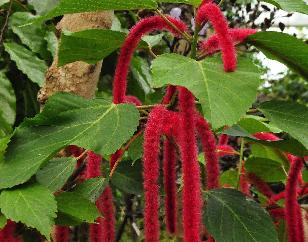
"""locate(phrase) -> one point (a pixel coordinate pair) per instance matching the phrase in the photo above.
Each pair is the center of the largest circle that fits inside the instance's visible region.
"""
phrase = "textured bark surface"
(77, 77)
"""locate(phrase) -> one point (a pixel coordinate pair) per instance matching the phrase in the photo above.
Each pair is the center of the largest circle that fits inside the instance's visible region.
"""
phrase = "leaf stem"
(195, 41)
(241, 162)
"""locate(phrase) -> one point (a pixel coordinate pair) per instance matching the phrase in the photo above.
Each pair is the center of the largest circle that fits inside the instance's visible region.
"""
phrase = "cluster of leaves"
(30, 176)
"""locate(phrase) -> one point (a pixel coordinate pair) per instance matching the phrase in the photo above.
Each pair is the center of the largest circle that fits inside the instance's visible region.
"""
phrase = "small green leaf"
(290, 6)
(135, 151)
(216, 90)
(284, 48)
(253, 125)
(290, 117)
(263, 151)
(76, 206)
(3, 220)
(33, 205)
(228, 208)
(42, 7)
(268, 170)
(56, 172)
(128, 178)
(63, 122)
(92, 188)
(80, 6)
(32, 36)
(229, 177)
(52, 42)
(90, 46)
(27, 62)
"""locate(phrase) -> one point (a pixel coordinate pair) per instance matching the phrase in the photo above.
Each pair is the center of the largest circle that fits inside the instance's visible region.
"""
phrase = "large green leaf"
(32, 36)
(90, 45)
(291, 117)
(66, 120)
(79, 6)
(77, 207)
(92, 188)
(290, 6)
(217, 91)
(7, 104)
(231, 217)
(190, 2)
(42, 7)
(56, 172)
(284, 48)
(33, 205)
(27, 62)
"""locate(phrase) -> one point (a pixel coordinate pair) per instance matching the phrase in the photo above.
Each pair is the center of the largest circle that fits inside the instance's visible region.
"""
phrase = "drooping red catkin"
(133, 100)
(244, 185)
(292, 208)
(223, 139)
(152, 134)
(212, 44)
(169, 94)
(104, 229)
(192, 202)
(61, 234)
(223, 150)
(143, 27)
(266, 136)
(7, 234)
(210, 154)
(169, 164)
(261, 186)
(211, 12)
(277, 213)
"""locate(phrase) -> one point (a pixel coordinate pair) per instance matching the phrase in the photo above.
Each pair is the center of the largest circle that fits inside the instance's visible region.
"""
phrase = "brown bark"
(77, 77)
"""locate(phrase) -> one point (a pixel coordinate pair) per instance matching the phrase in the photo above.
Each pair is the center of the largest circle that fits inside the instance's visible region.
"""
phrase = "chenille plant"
(175, 145)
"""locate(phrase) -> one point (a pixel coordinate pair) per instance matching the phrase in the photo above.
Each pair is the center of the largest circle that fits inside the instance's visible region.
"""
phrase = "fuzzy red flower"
(211, 12)
(261, 185)
(142, 28)
(223, 139)
(266, 136)
(62, 234)
(7, 234)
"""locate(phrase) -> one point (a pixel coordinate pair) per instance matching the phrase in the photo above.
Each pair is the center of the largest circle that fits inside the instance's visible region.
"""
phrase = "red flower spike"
(61, 234)
(104, 230)
(169, 164)
(261, 185)
(211, 12)
(223, 139)
(266, 136)
(212, 45)
(209, 147)
(7, 234)
(192, 202)
(244, 185)
(133, 100)
(114, 157)
(292, 207)
(223, 150)
(142, 28)
(277, 213)
(151, 162)
(169, 94)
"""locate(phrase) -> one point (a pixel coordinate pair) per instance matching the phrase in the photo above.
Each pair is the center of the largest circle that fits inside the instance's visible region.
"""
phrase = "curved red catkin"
(277, 213)
(133, 100)
(212, 45)
(143, 27)
(210, 154)
(266, 136)
(212, 13)
(292, 212)
(61, 234)
(169, 94)
(169, 164)
(7, 234)
(192, 202)
(223, 150)
(104, 230)
(151, 162)
(244, 185)
(261, 185)
(223, 139)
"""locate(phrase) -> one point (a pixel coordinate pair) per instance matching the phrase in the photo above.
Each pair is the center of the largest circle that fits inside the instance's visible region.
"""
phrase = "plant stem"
(241, 162)
(195, 42)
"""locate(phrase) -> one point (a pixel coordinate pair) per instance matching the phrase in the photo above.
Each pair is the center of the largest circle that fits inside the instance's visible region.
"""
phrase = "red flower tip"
(8, 233)
(212, 45)
(62, 234)
(261, 185)
(133, 100)
(142, 28)
(212, 13)
(223, 139)
(93, 165)
(277, 213)
(223, 150)
(266, 136)
(169, 94)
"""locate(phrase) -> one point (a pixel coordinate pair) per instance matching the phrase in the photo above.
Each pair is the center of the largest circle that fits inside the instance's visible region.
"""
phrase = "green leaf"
(2, 2)
(7, 104)
(79, 6)
(128, 178)
(33, 205)
(3, 146)
(284, 48)
(92, 188)
(291, 117)
(27, 62)
(52, 42)
(32, 36)
(56, 172)
(190, 2)
(67, 119)
(290, 6)
(141, 73)
(90, 45)
(217, 91)
(229, 177)
(42, 7)
(253, 125)
(3, 220)
(135, 151)
(231, 217)
(263, 151)
(77, 207)
(268, 170)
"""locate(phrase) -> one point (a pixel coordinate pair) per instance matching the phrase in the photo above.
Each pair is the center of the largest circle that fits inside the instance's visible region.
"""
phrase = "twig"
(6, 22)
